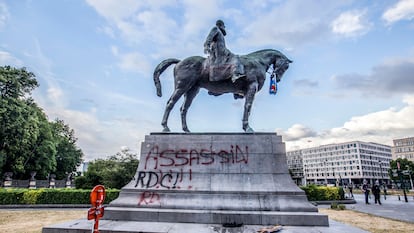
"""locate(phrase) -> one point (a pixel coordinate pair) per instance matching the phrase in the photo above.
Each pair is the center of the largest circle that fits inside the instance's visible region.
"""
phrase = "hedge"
(51, 196)
(81, 196)
(323, 193)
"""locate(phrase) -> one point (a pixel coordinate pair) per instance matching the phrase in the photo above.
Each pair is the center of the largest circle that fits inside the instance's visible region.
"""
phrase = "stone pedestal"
(208, 183)
(214, 178)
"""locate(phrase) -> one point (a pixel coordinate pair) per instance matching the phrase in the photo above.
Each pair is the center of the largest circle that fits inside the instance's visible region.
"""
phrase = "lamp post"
(325, 168)
(409, 175)
(382, 180)
(304, 174)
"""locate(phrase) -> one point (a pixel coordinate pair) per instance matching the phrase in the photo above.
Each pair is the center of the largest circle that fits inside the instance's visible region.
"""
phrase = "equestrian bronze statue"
(193, 73)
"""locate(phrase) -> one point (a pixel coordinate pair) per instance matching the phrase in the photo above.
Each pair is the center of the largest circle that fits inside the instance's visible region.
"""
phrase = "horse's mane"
(260, 52)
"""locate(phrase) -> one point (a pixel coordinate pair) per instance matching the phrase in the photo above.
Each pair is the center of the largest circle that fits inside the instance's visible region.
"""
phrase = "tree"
(405, 164)
(28, 141)
(25, 137)
(41, 155)
(16, 83)
(68, 155)
(113, 172)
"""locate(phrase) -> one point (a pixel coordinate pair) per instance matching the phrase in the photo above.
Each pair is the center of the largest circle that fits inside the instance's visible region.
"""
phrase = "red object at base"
(96, 212)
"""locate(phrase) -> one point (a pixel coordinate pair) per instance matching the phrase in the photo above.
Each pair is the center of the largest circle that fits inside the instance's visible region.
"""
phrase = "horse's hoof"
(166, 129)
(186, 130)
(249, 130)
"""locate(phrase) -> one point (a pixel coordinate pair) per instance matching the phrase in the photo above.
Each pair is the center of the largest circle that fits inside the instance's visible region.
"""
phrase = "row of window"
(376, 148)
(404, 142)
(403, 149)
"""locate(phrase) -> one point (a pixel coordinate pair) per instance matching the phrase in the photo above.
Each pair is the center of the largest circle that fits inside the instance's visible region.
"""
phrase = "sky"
(352, 76)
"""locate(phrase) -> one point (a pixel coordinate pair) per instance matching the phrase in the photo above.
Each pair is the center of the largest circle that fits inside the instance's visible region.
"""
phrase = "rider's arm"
(210, 39)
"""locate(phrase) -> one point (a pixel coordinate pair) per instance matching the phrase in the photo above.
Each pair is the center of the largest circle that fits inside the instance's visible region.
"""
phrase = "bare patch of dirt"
(368, 222)
(32, 221)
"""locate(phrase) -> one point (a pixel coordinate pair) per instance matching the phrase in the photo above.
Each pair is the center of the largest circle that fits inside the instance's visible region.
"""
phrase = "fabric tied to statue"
(273, 86)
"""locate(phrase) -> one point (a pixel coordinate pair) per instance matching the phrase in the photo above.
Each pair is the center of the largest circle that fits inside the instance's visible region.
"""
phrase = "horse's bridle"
(275, 70)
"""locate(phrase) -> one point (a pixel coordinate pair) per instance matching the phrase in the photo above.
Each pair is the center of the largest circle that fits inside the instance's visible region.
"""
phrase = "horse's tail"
(159, 69)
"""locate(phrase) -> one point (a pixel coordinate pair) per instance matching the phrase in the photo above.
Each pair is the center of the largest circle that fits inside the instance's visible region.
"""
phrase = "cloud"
(350, 24)
(390, 78)
(296, 132)
(136, 21)
(115, 11)
(403, 9)
(290, 23)
(135, 62)
(304, 87)
(8, 59)
(96, 138)
(4, 15)
(306, 83)
(380, 127)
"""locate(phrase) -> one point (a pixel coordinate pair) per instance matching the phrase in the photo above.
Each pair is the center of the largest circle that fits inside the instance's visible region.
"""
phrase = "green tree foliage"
(113, 172)
(68, 155)
(405, 164)
(28, 141)
(16, 83)
(40, 155)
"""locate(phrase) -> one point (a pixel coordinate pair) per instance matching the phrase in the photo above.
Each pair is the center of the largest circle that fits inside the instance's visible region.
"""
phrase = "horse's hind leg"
(188, 99)
(170, 105)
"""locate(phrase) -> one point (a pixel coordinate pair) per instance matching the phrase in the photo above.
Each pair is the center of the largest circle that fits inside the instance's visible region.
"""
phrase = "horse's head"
(280, 66)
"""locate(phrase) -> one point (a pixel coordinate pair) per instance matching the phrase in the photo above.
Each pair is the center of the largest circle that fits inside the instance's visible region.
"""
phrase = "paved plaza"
(391, 207)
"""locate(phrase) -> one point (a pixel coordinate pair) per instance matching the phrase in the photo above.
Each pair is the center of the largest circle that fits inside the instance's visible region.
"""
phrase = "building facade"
(295, 165)
(403, 148)
(344, 163)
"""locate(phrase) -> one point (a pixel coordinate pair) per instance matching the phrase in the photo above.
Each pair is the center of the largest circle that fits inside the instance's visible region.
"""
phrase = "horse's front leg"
(251, 91)
(188, 99)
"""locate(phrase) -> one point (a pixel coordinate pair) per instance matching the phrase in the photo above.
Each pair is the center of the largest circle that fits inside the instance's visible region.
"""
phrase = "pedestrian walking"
(350, 187)
(365, 190)
(376, 190)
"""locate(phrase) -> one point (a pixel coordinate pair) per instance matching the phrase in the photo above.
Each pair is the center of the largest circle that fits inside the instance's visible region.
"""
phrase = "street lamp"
(325, 168)
(305, 174)
(409, 175)
(382, 180)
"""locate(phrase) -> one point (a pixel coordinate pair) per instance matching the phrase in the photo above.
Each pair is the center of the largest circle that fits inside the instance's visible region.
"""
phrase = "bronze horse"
(190, 75)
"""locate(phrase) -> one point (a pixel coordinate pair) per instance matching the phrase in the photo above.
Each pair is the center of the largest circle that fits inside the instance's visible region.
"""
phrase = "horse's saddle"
(219, 71)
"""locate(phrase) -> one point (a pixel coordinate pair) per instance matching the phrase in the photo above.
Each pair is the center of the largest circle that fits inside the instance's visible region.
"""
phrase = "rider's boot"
(237, 76)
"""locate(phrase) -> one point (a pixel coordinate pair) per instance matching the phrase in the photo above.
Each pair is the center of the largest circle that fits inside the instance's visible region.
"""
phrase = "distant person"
(376, 190)
(365, 190)
(350, 187)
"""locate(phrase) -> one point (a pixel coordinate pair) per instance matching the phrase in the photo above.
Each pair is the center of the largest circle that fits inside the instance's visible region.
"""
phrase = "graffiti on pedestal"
(172, 168)
(192, 157)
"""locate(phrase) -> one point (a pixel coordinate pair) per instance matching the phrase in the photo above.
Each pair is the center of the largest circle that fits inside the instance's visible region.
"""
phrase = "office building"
(343, 163)
(295, 165)
(403, 148)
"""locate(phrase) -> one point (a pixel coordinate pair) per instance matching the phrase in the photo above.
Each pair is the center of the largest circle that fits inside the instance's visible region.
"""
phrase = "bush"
(323, 193)
(335, 206)
(12, 196)
(51, 196)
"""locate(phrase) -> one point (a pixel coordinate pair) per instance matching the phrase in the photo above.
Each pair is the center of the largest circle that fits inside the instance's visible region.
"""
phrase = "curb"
(41, 206)
(348, 201)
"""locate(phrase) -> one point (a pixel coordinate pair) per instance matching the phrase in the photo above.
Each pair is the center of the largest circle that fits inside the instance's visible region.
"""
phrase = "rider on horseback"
(222, 62)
